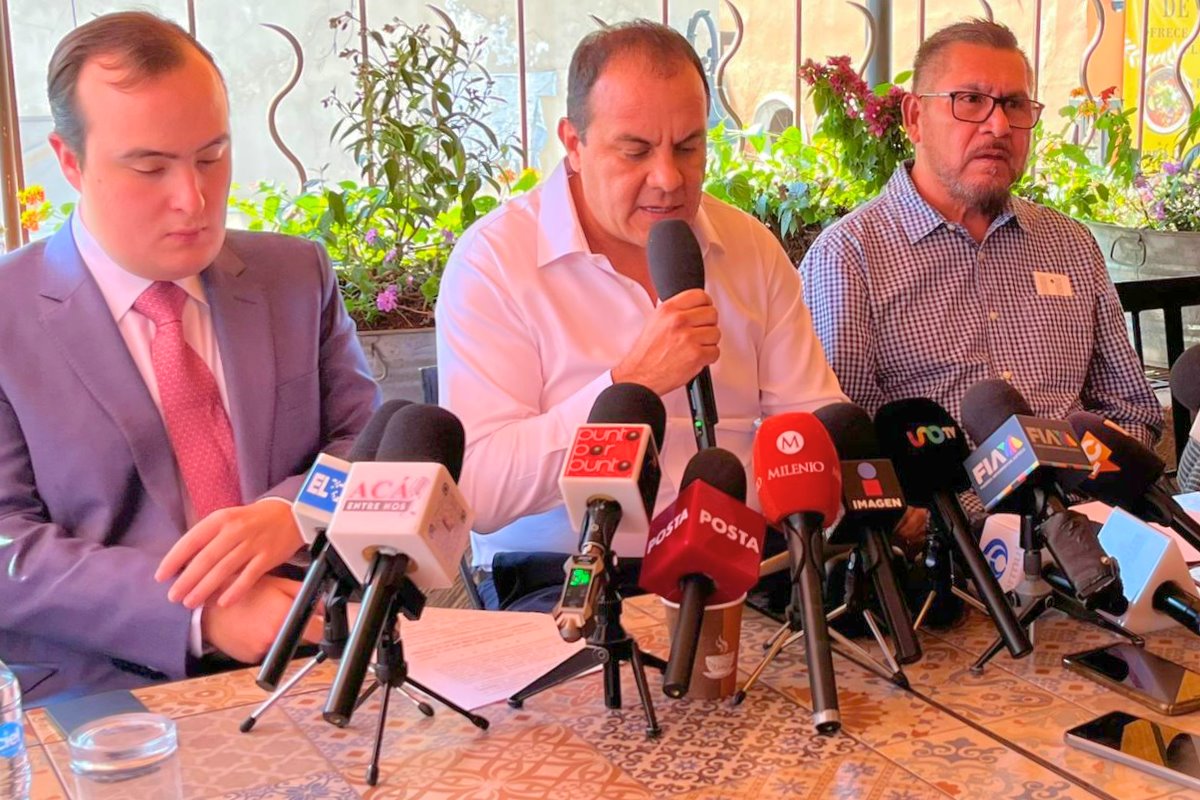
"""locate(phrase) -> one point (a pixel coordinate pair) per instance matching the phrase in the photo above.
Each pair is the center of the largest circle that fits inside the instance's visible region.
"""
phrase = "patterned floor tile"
(215, 759)
(964, 763)
(545, 761)
(856, 777)
(324, 785)
(1042, 733)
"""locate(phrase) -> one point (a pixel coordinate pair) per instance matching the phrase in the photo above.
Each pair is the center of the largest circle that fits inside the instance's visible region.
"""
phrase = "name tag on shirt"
(1051, 284)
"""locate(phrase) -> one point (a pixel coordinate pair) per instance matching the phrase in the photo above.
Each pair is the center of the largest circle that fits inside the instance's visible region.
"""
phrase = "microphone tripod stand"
(399, 595)
(943, 565)
(331, 648)
(1042, 589)
(607, 645)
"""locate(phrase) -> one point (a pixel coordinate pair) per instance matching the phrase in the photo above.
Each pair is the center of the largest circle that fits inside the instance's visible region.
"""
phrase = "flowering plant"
(863, 126)
(37, 210)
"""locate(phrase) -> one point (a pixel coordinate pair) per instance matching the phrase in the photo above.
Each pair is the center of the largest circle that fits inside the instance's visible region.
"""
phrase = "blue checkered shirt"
(909, 305)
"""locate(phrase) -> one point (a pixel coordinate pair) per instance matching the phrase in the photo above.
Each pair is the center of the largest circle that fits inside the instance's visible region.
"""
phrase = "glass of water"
(126, 756)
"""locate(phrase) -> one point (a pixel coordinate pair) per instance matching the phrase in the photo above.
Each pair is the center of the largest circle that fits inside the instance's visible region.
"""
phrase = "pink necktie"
(191, 404)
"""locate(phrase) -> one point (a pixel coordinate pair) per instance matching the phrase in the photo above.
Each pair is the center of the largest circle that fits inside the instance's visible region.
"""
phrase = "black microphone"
(874, 504)
(676, 265)
(313, 508)
(1018, 466)
(1127, 474)
(928, 449)
(426, 438)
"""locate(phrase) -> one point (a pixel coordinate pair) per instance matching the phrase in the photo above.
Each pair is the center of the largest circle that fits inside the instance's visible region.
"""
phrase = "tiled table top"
(957, 735)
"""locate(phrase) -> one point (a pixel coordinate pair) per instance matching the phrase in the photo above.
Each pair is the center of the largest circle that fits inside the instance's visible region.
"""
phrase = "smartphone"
(68, 715)
(1151, 680)
(1163, 751)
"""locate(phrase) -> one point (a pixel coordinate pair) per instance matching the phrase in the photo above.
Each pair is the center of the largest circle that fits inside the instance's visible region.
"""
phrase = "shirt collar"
(119, 286)
(919, 219)
(561, 235)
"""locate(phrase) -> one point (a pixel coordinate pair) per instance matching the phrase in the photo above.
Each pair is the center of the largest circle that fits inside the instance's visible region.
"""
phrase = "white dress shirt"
(530, 323)
(121, 289)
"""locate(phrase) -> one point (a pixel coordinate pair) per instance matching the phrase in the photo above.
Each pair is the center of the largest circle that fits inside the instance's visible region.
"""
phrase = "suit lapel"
(75, 316)
(242, 325)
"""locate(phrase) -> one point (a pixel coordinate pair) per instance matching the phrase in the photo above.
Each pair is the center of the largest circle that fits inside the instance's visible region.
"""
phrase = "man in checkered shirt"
(946, 279)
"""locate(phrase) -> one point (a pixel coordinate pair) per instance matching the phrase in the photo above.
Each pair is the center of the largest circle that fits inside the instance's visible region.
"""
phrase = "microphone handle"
(1177, 604)
(677, 676)
(600, 523)
(387, 570)
(946, 506)
(703, 404)
(1177, 519)
(804, 541)
(878, 551)
(288, 638)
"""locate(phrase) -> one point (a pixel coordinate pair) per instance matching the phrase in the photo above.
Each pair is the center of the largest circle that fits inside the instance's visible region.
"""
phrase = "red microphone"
(799, 480)
(703, 549)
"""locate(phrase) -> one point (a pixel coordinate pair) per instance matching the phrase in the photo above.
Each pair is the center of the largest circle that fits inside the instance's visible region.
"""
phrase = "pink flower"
(387, 301)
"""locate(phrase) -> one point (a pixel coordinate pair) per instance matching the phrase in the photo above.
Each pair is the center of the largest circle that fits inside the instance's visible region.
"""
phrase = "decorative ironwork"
(739, 33)
(988, 14)
(1037, 48)
(599, 22)
(1141, 106)
(872, 32)
(282, 93)
(1093, 45)
(1180, 78)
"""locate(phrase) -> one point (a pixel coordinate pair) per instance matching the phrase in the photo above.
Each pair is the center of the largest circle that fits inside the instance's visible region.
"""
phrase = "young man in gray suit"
(164, 384)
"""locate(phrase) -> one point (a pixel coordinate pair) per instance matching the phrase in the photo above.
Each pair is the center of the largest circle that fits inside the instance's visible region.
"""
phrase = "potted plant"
(797, 187)
(429, 167)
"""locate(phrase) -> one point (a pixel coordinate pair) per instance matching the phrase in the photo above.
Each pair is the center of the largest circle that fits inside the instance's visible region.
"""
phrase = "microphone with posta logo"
(1127, 474)
(609, 484)
(874, 504)
(800, 489)
(313, 509)
(401, 526)
(928, 449)
(703, 549)
(677, 265)
(1019, 466)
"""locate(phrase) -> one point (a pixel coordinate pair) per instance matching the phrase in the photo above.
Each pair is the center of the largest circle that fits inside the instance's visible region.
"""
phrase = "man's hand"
(909, 532)
(679, 340)
(246, 629)
(239, 544)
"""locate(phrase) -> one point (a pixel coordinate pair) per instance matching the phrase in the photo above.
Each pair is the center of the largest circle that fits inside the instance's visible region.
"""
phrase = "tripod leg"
(881, 641)
(776, 646)
(1026, 620)
(250, 721)
(971, 600)
(475, 719)
(1099, 620)
(639, 677)
(365, 696)
(586, 659)
(769, 643)
(612, 682)
(851, 651)
(928, 604)
(421, 705)
(373, 767)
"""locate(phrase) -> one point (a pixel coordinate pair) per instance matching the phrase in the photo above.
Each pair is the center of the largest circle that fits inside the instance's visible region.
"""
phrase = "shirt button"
(993, 315)
(1007, 375)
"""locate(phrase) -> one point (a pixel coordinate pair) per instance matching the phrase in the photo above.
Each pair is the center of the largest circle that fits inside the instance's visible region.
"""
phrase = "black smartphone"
(1153, 747)
(1151, 680)
(68, 715)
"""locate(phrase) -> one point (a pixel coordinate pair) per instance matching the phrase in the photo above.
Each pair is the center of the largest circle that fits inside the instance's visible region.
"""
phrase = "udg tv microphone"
(928, 449)
(609, 484)
(676, 265)
(1127, 474)
(703, 549)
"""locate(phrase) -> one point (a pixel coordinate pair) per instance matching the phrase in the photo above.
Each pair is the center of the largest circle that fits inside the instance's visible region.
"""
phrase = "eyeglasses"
(977, 107)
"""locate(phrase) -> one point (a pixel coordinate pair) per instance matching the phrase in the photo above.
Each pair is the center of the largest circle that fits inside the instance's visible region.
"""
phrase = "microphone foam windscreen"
(1185, 378)
(674, 258)
(925, 445)
(1126, 471)
(367, 443)
(720, 469)
(424, 433)
(987, 404)
(796, 468)
(631, 404)
(851, 429)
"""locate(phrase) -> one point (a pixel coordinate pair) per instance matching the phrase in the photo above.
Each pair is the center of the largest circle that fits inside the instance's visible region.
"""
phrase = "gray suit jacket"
(89, 499)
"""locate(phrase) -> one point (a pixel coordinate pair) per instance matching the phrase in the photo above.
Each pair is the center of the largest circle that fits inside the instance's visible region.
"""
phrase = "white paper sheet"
(476, 658)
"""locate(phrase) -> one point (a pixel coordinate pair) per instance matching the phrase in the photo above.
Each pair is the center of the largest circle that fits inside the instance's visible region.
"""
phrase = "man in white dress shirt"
(548, 300)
